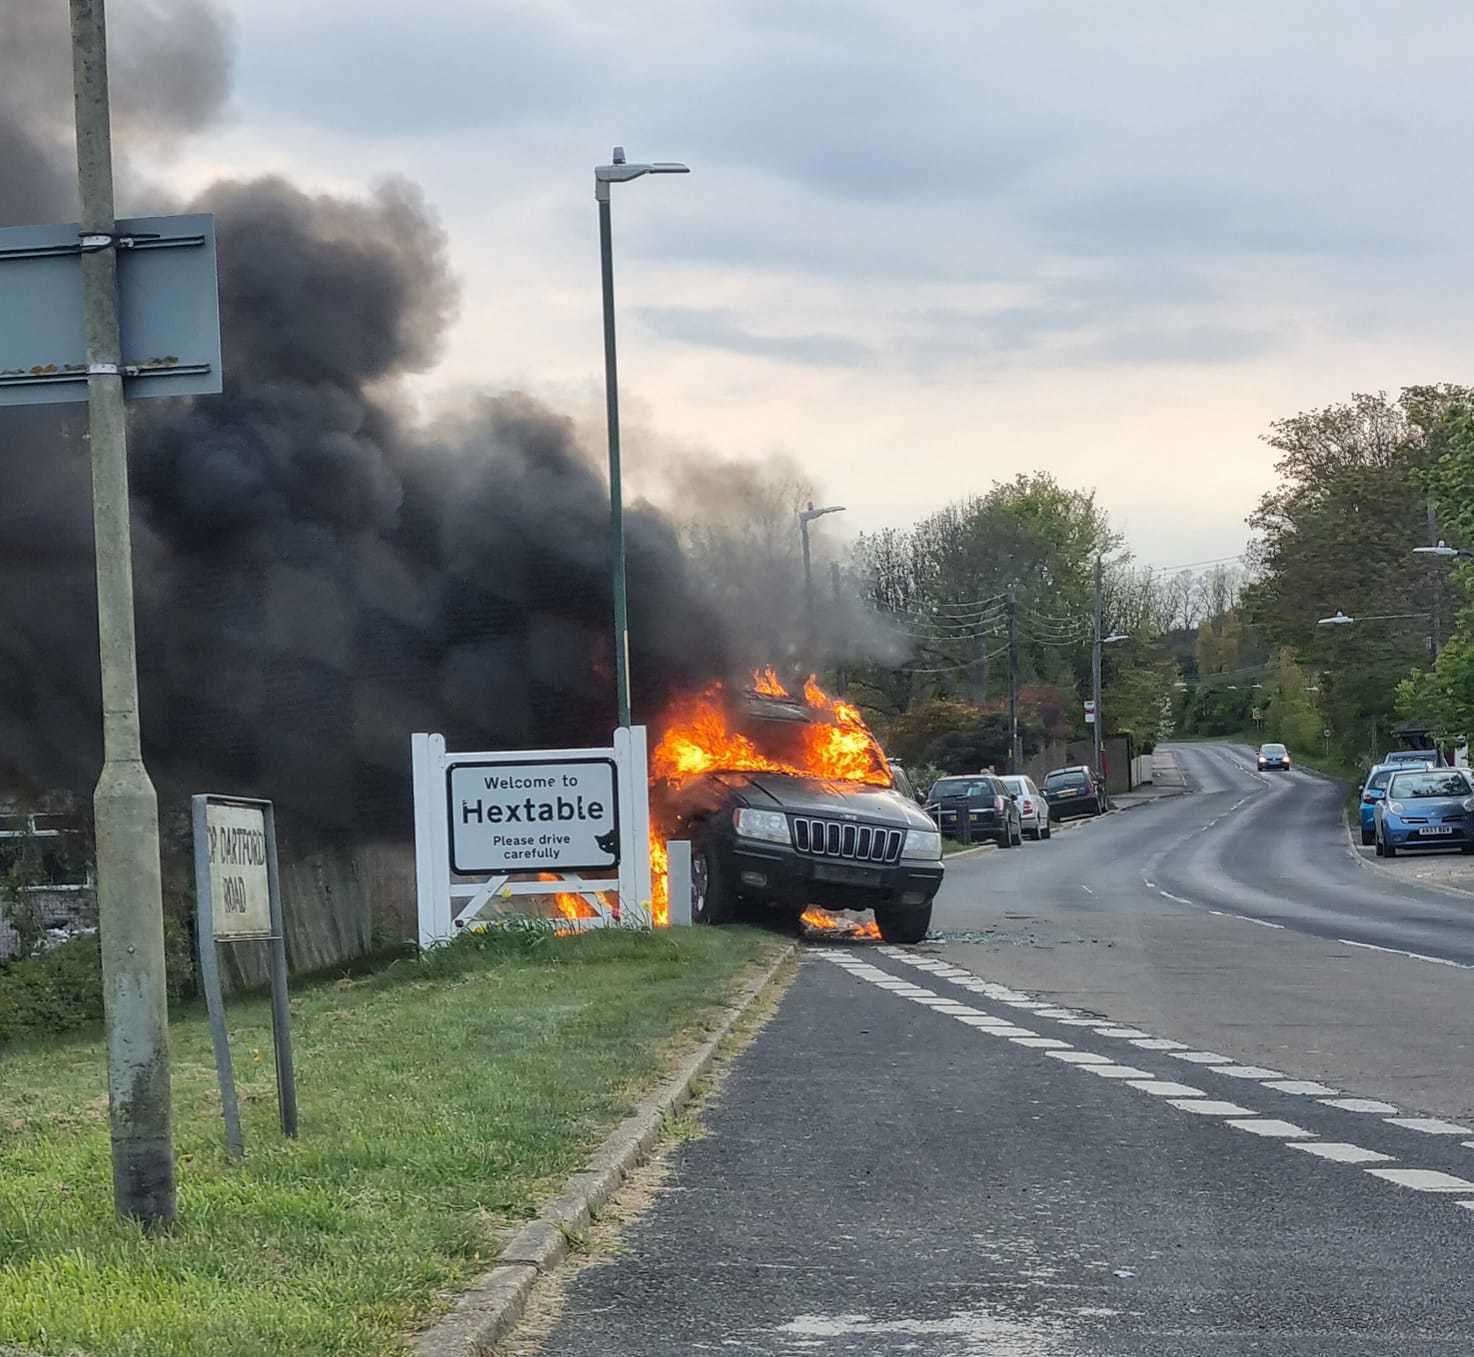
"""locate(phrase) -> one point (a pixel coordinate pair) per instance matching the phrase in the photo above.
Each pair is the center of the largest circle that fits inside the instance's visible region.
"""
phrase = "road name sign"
(560, 814)
(238, 900)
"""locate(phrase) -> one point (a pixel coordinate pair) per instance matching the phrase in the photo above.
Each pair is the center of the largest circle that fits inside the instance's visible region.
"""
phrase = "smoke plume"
(315, 578)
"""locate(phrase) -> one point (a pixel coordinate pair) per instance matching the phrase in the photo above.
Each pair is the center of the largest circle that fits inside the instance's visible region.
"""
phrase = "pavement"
(1185, 1080)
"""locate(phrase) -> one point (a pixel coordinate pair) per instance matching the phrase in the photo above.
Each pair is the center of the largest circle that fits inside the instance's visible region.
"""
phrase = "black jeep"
(789, 841)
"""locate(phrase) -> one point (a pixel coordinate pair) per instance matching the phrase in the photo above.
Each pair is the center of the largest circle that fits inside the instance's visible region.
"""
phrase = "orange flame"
(698, 737)
(822, 921)
(659, 881)
(570, 904)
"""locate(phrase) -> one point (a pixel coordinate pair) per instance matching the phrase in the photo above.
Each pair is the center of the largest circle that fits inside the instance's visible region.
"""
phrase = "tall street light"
(618, 172)
(1339, 619)
(805, 517)
(1443, 549)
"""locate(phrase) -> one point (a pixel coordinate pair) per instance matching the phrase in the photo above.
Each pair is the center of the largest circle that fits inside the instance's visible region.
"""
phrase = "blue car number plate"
(1435, 829)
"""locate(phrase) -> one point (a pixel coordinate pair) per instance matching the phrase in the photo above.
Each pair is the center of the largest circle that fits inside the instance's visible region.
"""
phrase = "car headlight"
(1469, 803)
(925, 844)
(1396, 807)
(771, 826)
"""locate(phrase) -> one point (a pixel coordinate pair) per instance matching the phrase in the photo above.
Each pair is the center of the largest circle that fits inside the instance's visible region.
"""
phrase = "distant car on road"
(1274, 758)
(1432, 757)
(1425, 808)
(1033, 809)
(990, 808)
(1073, 791)
(1372, 791)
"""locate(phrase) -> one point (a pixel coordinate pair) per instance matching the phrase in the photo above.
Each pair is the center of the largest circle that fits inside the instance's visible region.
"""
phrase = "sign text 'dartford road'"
(239, 882)
(520, 817)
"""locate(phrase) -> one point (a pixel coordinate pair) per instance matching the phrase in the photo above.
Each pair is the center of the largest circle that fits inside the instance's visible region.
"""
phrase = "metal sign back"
(168, 306)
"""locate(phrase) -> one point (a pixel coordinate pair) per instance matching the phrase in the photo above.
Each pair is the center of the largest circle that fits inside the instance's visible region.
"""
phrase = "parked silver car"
(1033, 809)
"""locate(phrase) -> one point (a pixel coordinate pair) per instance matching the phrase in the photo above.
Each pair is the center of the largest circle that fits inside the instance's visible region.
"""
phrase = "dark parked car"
(1432, 757)
(1073, 791)
(1274, 758)
(1425, 808)
(985, 800)
(788, 841)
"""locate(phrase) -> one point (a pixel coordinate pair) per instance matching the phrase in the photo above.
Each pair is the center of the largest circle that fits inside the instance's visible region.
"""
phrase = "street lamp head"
(810, 514)
(620, 171)
(1114, 637)
(1442, 549)
(1339, 620)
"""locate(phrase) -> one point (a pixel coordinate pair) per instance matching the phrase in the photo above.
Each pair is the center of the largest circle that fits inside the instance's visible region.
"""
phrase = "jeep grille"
(841, 839)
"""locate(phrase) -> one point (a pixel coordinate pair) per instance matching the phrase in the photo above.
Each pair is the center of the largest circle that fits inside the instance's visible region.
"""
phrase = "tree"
(1336, 532)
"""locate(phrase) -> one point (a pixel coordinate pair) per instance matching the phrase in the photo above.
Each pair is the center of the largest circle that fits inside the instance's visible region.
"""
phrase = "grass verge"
(441, 1101)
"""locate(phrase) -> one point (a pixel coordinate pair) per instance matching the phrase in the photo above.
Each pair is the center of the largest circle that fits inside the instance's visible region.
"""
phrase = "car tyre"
(1047, 830)
(1367, 837)
(1389, 849)
(713, 901)
(904, 925)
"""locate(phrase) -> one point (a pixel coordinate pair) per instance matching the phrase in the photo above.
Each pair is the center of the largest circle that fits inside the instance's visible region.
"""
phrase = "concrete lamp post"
(619, 171)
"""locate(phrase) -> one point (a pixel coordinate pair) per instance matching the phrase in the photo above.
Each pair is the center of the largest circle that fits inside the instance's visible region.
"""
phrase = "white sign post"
(238, 899)
(486, 823)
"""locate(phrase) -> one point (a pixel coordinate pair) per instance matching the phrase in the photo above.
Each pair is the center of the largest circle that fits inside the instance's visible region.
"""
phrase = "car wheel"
(1389, 849)
(1034, 833)
(1367, 837)
(1046, 831)
(712, 898)
(1004, 839)
(1018, 835)
(904, 925)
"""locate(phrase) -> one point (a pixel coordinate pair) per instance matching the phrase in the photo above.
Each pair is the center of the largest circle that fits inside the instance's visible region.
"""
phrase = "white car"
(1033, 809)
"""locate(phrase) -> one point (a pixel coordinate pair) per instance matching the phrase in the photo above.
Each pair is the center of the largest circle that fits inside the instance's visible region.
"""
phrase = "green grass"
(440, 1102)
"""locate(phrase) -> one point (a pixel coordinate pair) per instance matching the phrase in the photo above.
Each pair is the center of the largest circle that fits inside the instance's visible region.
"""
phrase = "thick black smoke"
(315, 577)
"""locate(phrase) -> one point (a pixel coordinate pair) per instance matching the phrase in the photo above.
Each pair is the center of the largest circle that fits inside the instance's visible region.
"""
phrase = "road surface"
(1110, 1112)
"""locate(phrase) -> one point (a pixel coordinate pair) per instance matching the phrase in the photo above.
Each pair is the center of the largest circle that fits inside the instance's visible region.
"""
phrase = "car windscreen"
(1411, 756)
(1272, 751)
(1411, 786)
(1379, 779)
(1016, 785)
(1065, 781)
(961, 786)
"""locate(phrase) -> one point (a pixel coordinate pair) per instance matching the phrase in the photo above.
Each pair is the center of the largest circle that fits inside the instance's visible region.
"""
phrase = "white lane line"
(1203, 1057)
(1176, 899)
(1308, 1086)
(1210, 1107)
(1076, 1022)
(1087, 890)
(1042, 1043)
(1247, 1072)
(1341, 1152)
(1057, 1014)
(1398, 951)
(1432, 1126)
(1423, 1180)
(1263, 923)
(1359, 1104)
(1268, 1126)
(1080, 1057)
(1217, 913)
(1166, 1088)
(1118, 1071)
(1158, 1044)
(1152, 884)
(1120, 1032)
(1002, 1029)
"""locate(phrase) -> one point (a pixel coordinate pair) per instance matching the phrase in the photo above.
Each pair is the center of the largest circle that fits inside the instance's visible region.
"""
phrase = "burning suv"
(789, 803)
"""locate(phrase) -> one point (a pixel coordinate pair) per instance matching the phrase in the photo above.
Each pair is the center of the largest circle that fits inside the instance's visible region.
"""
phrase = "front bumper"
(1401, 835)
(771, 871)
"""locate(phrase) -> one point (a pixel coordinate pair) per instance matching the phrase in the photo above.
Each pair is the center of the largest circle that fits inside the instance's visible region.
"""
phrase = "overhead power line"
(964, 664)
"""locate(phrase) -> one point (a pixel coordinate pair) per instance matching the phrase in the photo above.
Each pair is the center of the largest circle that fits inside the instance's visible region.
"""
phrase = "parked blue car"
(1425, 808)
(1373, 790)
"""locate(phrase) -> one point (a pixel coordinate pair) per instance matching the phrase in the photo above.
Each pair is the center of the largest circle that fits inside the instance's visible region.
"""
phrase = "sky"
(922, 247)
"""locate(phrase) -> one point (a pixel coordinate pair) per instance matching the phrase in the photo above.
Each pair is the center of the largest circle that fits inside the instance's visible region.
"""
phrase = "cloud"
(718, 329)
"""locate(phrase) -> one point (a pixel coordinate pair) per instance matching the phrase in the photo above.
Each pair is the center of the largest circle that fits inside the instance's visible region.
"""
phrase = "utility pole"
(1014, 756)
(125, 808)
(841, 679)
(1437, 579)
(1096, 736)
